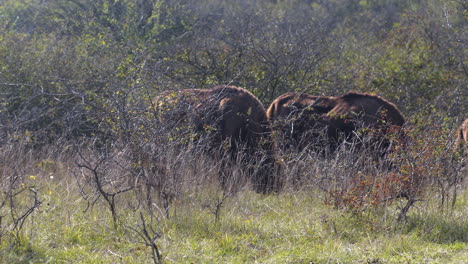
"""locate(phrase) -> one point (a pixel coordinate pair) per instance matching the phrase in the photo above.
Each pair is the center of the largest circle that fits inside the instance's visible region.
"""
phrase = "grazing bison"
(225, 119)
(355, 115)
(348, 117)
(297, 122)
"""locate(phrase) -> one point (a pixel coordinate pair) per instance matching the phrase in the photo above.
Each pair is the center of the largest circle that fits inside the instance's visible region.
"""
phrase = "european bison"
(462, 136)
(348, 117)
(226, 119)
(296, 121)
(354, 115)
(462, 133)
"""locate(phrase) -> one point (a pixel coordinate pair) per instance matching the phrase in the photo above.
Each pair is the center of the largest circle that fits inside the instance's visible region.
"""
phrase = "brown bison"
(462, 133)
(295, 120)
(348, 117)
(355, 115)
(225, 119)
(462, 136)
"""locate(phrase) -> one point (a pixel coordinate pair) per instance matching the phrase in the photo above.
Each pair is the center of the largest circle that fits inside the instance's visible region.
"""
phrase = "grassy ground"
(293, 227)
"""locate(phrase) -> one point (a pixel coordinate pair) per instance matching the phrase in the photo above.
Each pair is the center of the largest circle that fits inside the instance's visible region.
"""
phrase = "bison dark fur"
(230, 120)
(355, 115)
(345, 117)
(462, 133)
(462, 136)
(295, 120)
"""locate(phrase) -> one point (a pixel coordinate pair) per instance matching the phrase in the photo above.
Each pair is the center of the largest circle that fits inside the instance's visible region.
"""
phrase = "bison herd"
(231, 120)
(323, 122)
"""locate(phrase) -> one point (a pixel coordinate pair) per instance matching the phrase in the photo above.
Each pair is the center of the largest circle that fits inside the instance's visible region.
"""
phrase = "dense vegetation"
(77, 78)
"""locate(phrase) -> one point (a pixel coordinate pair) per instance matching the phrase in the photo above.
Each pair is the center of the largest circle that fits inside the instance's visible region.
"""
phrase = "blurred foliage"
(75, 67)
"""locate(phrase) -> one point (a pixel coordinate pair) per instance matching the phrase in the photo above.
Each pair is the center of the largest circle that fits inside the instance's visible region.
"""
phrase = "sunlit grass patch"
(291, 227)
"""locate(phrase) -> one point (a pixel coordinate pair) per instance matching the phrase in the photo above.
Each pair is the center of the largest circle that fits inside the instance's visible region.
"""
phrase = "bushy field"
(90, 174)
(68, 207)
(293, 227)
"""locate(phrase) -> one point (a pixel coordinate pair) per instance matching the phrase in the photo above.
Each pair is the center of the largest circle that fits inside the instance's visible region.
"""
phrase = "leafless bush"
(158, 165)
(248, 44)
(173, 167)
(23, 170)
(101, 174)
(357, 177)
(149, 235)
(169, 169)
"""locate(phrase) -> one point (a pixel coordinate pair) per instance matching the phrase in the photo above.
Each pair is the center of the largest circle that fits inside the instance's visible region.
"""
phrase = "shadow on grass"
(23, 252)
(438, 229)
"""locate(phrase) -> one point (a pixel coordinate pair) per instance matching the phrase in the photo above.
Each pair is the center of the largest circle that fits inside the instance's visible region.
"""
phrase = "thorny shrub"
(420, 166)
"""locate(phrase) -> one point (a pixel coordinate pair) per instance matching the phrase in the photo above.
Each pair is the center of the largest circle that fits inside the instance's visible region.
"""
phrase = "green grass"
(286, 228)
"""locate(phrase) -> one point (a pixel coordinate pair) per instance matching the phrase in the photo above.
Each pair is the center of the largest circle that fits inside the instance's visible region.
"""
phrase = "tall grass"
(53, 211)
(286, 228)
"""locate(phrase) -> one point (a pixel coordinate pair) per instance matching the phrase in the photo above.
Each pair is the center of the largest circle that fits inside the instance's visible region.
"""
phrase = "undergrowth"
(292, 227)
